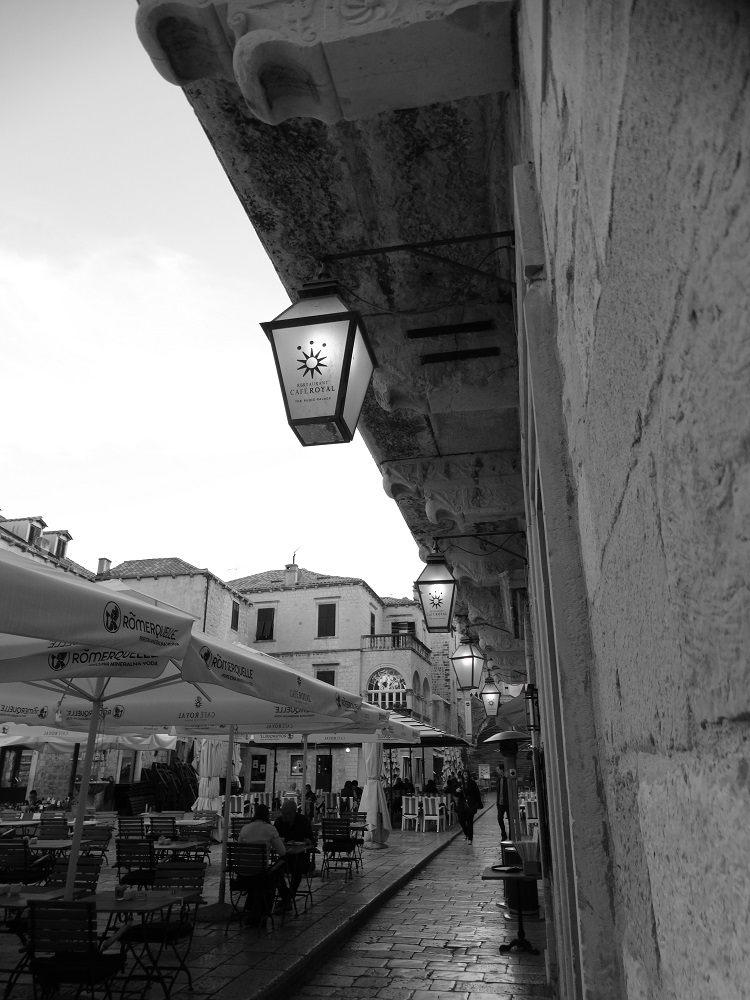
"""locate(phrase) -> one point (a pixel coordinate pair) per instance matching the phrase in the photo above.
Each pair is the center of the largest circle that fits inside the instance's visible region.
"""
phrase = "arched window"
(387, 689)
(426, 700)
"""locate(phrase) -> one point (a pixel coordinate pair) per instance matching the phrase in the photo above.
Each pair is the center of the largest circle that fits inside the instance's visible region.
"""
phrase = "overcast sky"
(140, 407)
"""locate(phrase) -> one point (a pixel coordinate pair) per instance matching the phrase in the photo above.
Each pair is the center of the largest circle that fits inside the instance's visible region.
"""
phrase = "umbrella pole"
(304, 770)
(88, 760)
(227, 811)
(73, 769)
(273, 786)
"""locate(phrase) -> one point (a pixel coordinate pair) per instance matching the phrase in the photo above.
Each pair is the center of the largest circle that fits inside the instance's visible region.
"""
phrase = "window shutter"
(326, 619)
(264, 629)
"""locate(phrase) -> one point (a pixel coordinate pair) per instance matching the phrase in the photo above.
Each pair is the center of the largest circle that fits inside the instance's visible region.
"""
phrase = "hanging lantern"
(468, 661)
(436, 588)
(490, 695)
(324, 362)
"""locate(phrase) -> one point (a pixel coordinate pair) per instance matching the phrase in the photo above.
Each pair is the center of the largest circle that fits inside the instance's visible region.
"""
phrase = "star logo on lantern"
(436, 600)
(310, 363)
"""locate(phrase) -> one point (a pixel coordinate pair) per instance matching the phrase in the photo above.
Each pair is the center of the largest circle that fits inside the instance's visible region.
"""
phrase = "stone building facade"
(339, 630)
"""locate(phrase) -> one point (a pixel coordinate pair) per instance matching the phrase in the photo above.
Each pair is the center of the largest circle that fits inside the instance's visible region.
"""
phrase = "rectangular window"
(327, 676)
(264, 629)
(295, 764)
(235, 615)
(326, 620)
(409, 627)
(372, 623)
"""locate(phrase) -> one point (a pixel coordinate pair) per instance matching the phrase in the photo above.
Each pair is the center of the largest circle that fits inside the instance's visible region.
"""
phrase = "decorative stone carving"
(464, 490)
(333, 59)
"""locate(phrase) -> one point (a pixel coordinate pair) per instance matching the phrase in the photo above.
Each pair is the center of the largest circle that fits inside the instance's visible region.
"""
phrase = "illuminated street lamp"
(436, 588)
(468, 661)
(490, 695)
(324, 362)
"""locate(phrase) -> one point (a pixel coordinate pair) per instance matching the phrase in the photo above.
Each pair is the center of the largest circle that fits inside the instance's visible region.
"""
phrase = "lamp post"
(468, 661)
(324, 362)
(436, 589)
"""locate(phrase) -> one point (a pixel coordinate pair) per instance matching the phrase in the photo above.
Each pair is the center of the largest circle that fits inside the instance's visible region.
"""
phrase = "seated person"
(33, 803)
(431, 788)
(260, 830)
(357, 791)
(293, 827)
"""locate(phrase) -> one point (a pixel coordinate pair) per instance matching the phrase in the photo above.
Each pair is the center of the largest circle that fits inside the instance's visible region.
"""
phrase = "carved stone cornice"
(333, 59)
(461, 490)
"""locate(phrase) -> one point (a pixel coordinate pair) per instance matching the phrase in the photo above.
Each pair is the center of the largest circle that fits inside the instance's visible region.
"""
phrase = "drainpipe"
(205, 605)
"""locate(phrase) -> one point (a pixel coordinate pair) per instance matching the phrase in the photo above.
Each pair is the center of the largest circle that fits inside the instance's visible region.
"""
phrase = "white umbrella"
(76, 682)
(209, 770)
(373, 801)
(45, 603)
(63, 740)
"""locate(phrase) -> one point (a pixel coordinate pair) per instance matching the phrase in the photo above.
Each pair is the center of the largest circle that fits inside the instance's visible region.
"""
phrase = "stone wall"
(640, 136)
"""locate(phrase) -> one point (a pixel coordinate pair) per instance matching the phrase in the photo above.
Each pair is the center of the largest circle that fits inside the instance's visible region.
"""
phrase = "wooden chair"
(97, 840)
(204, 840)
(339, 847)
(409, 812)
(131, 826)
(136, 862)
(19, 864)
(87, 874)
(166, 933)
(64, 949)
(236, 824)
(54, 828)
(250, 877)
(163, 826)
(432, 814)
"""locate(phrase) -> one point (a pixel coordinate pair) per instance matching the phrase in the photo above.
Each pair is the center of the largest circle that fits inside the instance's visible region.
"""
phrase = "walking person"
(468, 800)
(502, 799)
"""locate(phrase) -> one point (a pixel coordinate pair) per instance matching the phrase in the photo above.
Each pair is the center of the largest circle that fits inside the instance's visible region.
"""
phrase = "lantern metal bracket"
(487, 534)
(423, 249)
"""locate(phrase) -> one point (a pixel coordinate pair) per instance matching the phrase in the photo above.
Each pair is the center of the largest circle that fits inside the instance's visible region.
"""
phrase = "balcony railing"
(396, 640)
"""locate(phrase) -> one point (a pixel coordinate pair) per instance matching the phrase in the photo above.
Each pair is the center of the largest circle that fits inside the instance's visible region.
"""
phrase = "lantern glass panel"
(491, 698)
(360, 374)
(310, 361)
(468, 663)
(437, 594)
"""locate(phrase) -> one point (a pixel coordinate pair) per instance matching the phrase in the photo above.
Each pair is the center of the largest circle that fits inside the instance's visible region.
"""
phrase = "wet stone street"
(439, 935)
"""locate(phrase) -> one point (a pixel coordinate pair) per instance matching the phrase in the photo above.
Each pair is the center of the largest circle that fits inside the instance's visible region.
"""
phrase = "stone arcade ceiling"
(358, 124)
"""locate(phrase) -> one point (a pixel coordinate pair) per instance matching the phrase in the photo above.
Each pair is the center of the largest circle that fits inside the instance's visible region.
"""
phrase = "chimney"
(104, 567)
(291, 575)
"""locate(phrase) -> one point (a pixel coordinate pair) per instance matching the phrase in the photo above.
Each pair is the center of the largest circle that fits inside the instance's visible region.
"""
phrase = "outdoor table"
(18, 824)
(513, 873)
(144, 904)
(55, 847)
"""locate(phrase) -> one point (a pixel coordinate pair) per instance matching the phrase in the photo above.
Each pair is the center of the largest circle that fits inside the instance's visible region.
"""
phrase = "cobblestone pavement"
(415, 923)
(438, 936)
